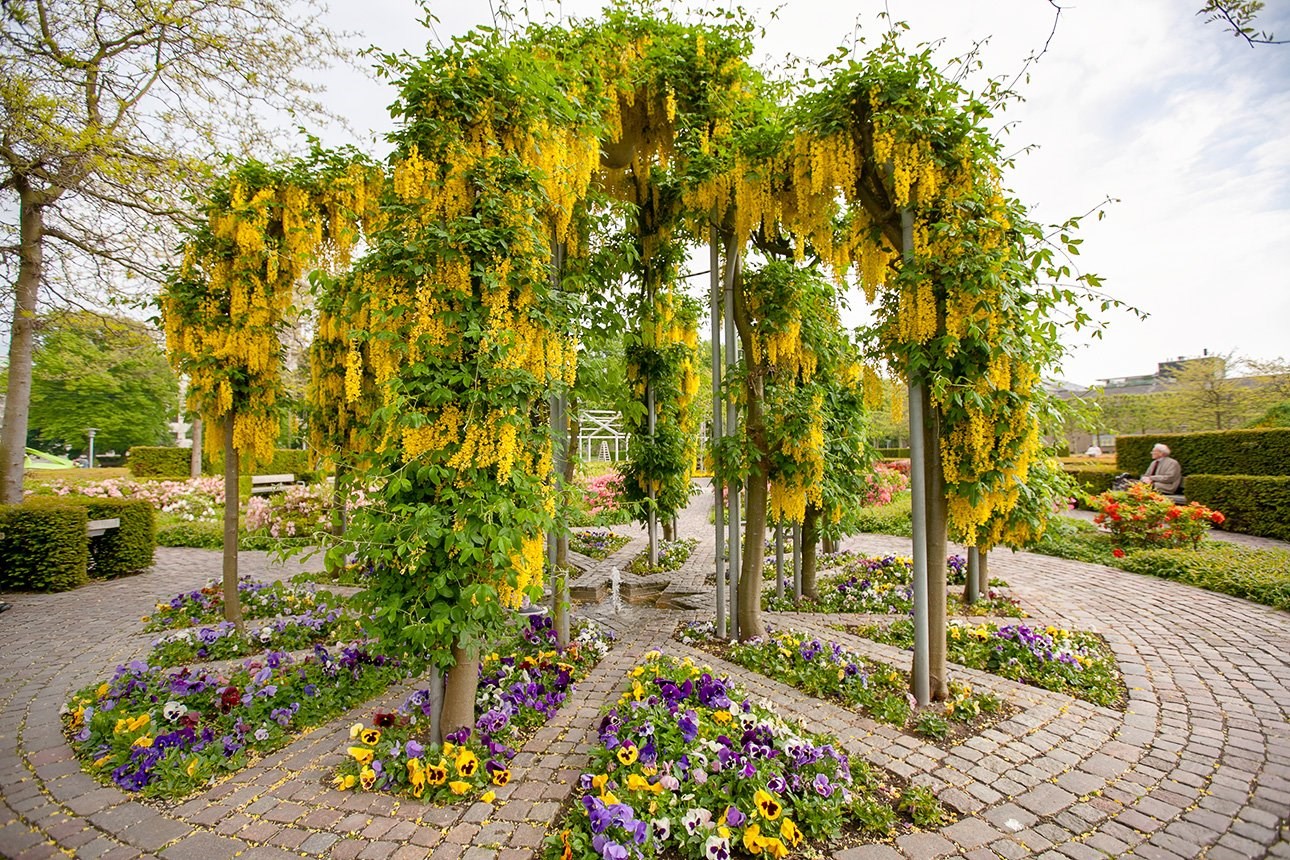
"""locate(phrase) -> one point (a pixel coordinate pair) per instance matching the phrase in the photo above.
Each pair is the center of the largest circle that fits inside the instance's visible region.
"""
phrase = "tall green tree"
(113, 111)
(102, 372)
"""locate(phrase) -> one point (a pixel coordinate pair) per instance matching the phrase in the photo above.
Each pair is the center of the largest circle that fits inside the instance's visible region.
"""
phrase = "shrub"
(1226, 452)
(45, 546)
(297, 512)
(1254, 505)
(153, 462)
(1139, 516)
(199, 534)
(885, 484)
(293, 461)
(127, 548)
(1261, 575)
(1093, 478)
(892, 519)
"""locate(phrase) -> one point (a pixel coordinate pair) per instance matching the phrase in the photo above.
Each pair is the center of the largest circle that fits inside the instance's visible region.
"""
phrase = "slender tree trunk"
(459, 690)
(232, 507)
(753, 558)
(574, 429)
(667, 530)
(937, 547)
(810, 539)
(983, 577)
(26, 293)
(195, 456)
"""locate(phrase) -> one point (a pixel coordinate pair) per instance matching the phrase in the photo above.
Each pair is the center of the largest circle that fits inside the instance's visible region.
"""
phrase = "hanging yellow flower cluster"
(225, 308)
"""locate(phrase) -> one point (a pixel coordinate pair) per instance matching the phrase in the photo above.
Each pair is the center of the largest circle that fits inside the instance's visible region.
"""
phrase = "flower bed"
(671, 555)
(258, 599)
(1073, 662)
(284, 633)
(875, 689)
(169, 733)
(881, 585)
(191, 500)
(597, 543)
(517, 694)
(686, 766)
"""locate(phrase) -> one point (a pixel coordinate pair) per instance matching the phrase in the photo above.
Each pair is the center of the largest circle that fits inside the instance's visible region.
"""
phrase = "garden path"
(1199, 764)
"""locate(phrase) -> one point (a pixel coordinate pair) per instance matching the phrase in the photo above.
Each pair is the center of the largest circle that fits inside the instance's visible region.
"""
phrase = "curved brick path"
(1199, 765)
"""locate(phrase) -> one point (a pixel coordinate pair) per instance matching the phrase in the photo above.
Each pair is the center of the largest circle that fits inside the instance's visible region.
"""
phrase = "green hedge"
(1259, 575)
(199, 535)
(126, 549)
(1226, 452)
(1253, 505)
(45, 547)
(1092, 478)
(893, 453)
(153, 462)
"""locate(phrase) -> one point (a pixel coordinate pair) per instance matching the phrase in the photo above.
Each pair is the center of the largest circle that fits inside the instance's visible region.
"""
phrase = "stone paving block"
(926, 846)
(869, 852)
(204, 846)
(154, 832)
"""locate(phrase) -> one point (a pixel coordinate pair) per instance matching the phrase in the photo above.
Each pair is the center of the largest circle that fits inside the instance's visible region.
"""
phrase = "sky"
(1184, 128)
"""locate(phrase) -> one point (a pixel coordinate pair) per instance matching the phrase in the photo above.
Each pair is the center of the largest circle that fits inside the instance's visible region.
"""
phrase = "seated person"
(1164, 474)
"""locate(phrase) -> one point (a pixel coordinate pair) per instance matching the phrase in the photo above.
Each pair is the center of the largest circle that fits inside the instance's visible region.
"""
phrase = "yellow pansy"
(459, 787)
(362, 755)
(467, 763)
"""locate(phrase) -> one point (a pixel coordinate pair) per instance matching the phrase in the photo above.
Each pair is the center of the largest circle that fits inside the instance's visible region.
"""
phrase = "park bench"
(97, 528)
(262, 485)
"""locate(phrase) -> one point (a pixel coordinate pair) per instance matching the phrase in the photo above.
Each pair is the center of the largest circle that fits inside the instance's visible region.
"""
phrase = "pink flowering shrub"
(603, 493)
(886, 481)
(194, 499)
(299, 511)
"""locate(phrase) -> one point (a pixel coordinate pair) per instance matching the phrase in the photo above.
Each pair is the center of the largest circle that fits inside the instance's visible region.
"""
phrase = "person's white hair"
(1161, 447)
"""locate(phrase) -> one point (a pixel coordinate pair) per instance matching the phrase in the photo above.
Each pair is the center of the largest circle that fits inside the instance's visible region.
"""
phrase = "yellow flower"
(774, 848)
(722, 717)
(767, 805)
(752, 839)
(459, 787)
(488, 796)
(501, 777)
(102, 760)
(142, 741)
(609, 798)
(627, 754)
(355, 730)
(436, 774)
(103, 690)
(789, 831)
(193, 765)
(467, 763)
(368, 778)
(598, 782)
(344, 783)
(371, 737)
(362, 755)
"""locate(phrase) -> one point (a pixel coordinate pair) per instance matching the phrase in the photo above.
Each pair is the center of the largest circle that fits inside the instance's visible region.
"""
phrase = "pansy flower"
(767, 805)
(790, 832)
(467, 763)
(436, 774)
(362, 755)
(627, 754)
(371, 737)
(716, 848)
(458, 787)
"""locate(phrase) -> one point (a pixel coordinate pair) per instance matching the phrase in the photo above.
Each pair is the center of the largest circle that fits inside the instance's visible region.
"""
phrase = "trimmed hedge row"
(1253, 505)
(154, 462)
(45, 545)
(1225, 452)
(1093, 479)
(146, 461)
(893, 453)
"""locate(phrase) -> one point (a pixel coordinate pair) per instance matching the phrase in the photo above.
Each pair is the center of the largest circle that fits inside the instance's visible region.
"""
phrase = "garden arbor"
(439, 353)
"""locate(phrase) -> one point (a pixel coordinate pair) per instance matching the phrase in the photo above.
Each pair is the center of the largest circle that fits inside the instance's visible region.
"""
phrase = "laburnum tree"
(113, 114)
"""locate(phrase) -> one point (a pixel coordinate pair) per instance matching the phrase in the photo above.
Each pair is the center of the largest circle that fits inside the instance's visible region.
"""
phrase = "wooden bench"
(96, 528)
(262, 485)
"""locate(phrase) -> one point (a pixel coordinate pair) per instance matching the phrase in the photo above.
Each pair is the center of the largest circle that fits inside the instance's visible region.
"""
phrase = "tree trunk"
(667, 530)
(573, 430)
(232, 506)
(937, 544)
(753, 558)
(983, 577)
(26, 293)
(810, 538)
(754, 553)
(459, 691)
(195, 456)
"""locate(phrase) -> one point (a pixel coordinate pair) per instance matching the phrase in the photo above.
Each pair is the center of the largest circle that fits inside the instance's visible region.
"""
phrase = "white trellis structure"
(602, 436)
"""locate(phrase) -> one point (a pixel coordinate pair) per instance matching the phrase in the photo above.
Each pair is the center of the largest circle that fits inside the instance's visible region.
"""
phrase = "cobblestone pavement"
(1198, 765)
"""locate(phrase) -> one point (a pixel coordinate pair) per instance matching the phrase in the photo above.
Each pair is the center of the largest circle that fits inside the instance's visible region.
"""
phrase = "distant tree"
(102, 372)
(1205, 394)
(113, 112)
(1130, 414)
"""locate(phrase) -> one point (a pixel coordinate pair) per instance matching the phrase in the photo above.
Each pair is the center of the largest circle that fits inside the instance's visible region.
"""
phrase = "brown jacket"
(1164, 475)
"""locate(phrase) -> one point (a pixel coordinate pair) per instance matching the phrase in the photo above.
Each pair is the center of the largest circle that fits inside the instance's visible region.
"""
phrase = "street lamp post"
(91, 431)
